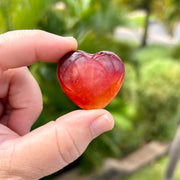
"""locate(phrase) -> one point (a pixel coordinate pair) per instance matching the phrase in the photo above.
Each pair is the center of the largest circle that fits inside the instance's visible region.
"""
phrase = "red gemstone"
(91, 80)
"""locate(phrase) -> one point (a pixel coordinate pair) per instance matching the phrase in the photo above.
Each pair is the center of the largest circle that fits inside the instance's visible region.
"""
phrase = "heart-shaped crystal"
(91, 80)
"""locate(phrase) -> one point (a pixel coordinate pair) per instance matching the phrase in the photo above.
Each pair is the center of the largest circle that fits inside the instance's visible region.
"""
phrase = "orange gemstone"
(91, 80)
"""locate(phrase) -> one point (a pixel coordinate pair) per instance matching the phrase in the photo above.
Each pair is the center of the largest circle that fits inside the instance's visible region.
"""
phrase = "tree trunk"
(146, 25)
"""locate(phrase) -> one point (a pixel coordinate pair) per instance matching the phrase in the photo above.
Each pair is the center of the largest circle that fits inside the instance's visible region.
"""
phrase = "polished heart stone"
(91, 80)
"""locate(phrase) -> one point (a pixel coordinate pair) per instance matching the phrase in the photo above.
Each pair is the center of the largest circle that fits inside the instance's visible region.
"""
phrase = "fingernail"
(101, 124)
(72, 39)
(64, 37)
(69, 37)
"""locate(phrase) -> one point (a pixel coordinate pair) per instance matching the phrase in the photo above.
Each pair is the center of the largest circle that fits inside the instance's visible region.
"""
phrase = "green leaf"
(122, 121)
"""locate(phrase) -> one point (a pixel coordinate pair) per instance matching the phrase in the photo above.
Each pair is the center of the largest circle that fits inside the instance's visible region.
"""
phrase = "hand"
(32, 155)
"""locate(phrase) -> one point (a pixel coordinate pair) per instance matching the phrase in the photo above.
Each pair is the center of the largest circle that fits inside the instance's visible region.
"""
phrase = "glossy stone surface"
(91, 80)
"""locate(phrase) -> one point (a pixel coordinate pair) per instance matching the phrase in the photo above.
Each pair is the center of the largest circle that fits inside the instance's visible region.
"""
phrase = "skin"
(31, 155)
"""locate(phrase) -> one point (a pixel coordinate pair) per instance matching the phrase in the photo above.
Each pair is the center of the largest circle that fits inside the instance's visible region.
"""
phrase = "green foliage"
(138, 21)
(151, 52)
(27, 13)
(92, 43)
(158, 94)
(176, 52)
(138, 4)
(77, 18)
(22, 14)
(169, 14)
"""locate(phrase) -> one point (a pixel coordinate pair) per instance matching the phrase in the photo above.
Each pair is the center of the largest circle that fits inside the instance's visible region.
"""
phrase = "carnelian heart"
(91, 80)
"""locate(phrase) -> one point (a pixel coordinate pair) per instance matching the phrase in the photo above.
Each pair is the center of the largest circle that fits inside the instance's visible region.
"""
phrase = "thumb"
(58, 143)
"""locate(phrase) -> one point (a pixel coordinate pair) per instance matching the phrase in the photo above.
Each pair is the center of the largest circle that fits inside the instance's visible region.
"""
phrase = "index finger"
(25, 47)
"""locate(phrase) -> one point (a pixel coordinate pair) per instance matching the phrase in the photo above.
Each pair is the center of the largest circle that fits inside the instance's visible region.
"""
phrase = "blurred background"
(146, 35)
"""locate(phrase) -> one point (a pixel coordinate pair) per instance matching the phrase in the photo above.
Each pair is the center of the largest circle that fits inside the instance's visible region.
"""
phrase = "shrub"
(159, 98)
(176, 52)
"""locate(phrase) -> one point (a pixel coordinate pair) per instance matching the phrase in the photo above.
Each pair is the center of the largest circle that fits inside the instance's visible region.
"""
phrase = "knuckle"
(68, 149)
(37, 106)
(37, 33)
